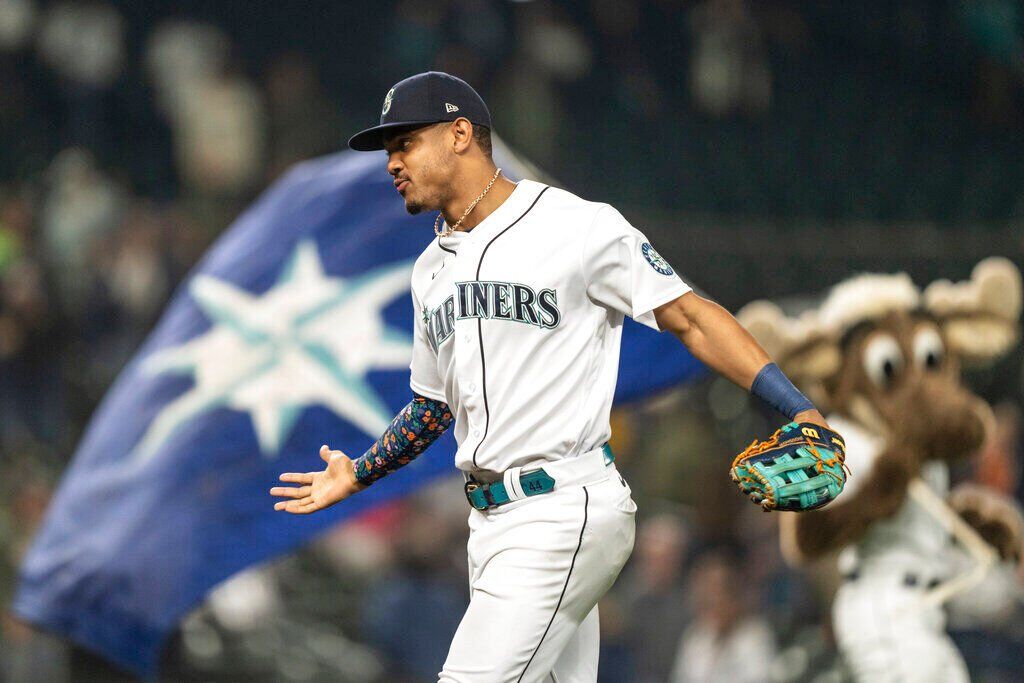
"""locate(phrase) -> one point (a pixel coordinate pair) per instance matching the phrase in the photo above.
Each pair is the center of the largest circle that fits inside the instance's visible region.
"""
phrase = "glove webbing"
(756, 448)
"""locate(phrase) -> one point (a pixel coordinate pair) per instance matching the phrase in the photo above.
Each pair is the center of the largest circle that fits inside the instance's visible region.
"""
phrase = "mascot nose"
(985, 414)
(955, 419)
(939, 394)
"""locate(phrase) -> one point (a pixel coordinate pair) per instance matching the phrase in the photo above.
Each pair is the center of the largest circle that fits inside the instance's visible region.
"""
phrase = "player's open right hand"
(318, 490)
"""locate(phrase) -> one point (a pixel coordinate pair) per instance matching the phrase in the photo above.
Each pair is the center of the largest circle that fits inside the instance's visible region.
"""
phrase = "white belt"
(583, 469)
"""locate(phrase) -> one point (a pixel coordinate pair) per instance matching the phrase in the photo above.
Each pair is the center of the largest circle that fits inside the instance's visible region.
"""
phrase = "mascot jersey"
(911, 538)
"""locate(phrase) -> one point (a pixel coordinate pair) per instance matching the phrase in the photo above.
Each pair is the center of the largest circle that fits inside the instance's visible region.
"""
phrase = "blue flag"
(293, 331)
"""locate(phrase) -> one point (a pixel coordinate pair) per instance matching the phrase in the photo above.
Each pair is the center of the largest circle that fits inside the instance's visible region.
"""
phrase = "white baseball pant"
(888, 634)
(537, 568)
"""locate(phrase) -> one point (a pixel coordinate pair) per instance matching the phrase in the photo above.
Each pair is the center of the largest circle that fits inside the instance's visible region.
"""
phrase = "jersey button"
(466, 338)
(476, 433)
(472, 386)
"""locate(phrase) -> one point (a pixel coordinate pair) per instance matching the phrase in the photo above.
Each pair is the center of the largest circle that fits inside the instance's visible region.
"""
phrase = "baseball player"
(519, 307)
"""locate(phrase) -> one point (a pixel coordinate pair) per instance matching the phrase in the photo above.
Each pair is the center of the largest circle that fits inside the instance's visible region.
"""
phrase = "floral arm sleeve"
(419, 424)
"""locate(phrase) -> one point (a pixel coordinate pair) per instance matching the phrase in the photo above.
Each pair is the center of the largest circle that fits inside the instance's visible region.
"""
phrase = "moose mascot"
(883, 359)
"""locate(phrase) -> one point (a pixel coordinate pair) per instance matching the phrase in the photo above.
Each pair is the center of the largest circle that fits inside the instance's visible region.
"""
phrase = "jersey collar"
(512, 208)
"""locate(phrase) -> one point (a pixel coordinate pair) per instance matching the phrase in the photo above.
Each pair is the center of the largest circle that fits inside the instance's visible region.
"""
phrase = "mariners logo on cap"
(655, 259)
(387, 102)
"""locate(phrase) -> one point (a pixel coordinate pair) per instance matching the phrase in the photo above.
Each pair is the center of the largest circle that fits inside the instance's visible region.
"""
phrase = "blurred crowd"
(132, 133)
(912, 107)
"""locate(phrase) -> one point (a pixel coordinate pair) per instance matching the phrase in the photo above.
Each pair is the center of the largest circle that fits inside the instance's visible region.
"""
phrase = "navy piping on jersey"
(480, 328)
(586, 504)
(444, 248)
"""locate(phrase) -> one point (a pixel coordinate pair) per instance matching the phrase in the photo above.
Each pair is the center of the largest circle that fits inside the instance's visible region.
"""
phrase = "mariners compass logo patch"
(655, 259)
(387, 102)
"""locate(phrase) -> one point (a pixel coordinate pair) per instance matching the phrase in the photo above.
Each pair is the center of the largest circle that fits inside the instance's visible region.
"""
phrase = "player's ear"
(462, 131)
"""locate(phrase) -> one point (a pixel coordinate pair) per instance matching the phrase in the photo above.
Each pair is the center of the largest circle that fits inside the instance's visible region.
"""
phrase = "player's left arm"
(716, 339)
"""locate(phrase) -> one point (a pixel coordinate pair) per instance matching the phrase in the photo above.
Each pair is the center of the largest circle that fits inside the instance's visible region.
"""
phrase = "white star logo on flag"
(309, 340)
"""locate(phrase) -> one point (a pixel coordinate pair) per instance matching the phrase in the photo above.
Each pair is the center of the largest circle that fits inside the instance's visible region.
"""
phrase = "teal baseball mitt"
(800, 467)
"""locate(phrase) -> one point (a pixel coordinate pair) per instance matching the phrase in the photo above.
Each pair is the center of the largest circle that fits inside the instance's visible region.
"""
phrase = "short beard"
(430, 204)
(439, 166)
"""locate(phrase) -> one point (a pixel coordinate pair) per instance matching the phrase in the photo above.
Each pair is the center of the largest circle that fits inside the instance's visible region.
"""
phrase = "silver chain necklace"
(449, 229)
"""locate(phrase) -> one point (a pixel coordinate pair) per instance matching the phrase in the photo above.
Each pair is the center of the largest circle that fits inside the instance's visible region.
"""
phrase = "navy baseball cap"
(420, 100)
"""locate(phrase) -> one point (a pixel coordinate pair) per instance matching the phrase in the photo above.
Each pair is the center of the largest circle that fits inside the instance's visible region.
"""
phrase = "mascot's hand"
(994, 516)
(800, 467)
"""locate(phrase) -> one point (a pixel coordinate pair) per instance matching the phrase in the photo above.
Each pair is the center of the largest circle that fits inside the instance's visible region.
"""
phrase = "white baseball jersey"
(519, 323)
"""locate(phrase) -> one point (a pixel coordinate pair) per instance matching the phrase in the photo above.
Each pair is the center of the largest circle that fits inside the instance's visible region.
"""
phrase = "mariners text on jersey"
(492, 300)
(519, 323)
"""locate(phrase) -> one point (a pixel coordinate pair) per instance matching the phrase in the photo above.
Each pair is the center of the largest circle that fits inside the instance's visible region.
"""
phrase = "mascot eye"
(883, 359)
(928, 348)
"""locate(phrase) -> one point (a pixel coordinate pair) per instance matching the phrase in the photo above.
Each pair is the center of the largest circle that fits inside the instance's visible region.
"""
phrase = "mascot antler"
(979, 315)
(801, 346)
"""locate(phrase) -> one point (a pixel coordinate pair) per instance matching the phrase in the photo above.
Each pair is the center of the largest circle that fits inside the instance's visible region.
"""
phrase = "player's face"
(421, 164)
